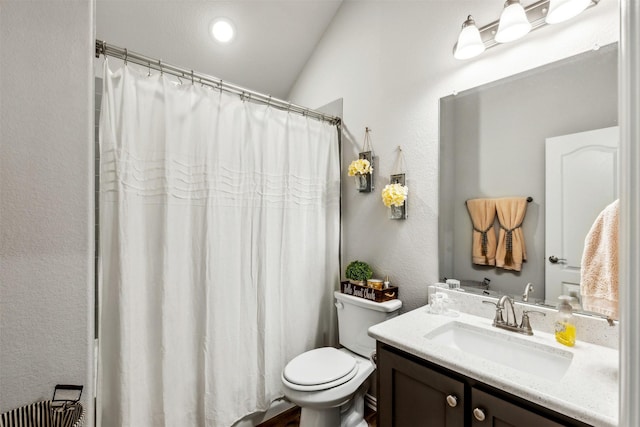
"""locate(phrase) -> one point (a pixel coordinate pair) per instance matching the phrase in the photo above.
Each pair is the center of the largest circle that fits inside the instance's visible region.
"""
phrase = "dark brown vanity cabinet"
(413, 393)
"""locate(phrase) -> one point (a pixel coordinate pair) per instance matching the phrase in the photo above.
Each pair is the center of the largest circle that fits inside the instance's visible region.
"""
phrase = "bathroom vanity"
(461, 371)
(412, 389)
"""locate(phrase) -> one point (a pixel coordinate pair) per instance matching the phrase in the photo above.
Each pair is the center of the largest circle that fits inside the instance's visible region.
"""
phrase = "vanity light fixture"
(469, 41)
(563, 10)
(515, 22)
(222, 30)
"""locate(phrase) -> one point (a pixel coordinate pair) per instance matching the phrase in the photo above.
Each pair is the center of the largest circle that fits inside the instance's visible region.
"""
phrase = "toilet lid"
(320, 366)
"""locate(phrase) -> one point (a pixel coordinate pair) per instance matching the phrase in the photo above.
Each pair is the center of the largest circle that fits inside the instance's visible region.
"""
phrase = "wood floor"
(291, 418)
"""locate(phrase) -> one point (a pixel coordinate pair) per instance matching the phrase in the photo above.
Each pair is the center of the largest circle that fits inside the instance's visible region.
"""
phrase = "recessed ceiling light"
(222, 30)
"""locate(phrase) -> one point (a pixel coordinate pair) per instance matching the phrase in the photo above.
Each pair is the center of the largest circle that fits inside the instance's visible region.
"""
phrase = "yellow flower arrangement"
(360, 166)
(394, 194)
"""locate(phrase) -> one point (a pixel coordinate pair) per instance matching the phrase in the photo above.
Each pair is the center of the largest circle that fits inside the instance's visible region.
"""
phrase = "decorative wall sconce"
(394, 195)
(362, 168)
(514, 23)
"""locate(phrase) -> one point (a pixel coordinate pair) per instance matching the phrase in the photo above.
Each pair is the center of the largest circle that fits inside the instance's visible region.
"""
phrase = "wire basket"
(49, 413)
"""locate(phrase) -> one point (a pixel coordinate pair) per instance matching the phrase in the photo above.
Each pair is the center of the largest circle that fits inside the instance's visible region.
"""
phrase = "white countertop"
(588, 391)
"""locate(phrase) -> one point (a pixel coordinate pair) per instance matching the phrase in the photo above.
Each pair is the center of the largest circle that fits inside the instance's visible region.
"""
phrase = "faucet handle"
(526, 325)
(498, 318)
(526, 312)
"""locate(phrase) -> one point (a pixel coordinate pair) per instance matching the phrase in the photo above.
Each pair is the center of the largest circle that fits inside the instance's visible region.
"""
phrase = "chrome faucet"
(501, 303)
(499, 322)
(527, 290)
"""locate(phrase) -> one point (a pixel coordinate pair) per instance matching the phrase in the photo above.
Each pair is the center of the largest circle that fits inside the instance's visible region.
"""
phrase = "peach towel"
(599, 266)
(511, 251)
(483, 214)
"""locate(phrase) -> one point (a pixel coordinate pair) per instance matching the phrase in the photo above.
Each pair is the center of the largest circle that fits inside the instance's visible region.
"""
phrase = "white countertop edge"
(574, 396)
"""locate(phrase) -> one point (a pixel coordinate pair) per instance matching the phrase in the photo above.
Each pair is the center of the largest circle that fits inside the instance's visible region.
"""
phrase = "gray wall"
(392, 62)
(46, 209)
(492, 145)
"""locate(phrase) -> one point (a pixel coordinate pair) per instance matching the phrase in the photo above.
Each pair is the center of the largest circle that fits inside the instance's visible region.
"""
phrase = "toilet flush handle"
(339, 305)
(374, 358)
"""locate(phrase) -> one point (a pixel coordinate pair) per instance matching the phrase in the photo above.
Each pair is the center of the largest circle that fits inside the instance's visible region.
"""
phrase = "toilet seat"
(319, 369)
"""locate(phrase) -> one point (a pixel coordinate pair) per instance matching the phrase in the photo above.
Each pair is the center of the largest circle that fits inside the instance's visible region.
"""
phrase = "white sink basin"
(509, 350)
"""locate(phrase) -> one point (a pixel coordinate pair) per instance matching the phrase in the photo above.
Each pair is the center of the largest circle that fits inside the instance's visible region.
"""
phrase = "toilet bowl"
(339, 396)
(329, 384)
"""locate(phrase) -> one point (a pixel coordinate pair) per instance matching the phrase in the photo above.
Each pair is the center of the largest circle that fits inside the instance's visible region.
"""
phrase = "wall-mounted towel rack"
(529, 200)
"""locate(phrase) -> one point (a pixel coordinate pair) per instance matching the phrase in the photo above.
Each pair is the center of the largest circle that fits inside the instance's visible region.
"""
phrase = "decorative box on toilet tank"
(371, 294)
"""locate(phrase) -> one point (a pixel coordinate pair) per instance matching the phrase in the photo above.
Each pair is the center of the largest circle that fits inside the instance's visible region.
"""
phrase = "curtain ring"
(160, 65)
(269, 102)
(149, 66)
(192, 77)
(126, 55)
(220, 86)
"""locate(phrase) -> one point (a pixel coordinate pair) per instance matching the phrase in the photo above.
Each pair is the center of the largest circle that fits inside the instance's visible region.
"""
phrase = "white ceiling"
(274, 40)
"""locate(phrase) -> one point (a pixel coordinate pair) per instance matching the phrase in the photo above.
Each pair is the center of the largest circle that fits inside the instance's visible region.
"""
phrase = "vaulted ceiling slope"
(274, 40)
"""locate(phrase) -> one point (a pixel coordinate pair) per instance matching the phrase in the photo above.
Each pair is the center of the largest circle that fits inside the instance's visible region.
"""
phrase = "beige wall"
(46, 179)
(391, 62)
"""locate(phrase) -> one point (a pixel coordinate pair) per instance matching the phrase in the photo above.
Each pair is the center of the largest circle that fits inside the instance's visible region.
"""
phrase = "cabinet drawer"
(489, 410)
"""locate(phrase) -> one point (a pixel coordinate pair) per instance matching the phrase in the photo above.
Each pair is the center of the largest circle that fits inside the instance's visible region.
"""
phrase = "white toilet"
(329, 384)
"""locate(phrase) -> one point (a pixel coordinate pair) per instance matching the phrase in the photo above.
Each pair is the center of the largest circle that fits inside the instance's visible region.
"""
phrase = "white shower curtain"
(219, 222)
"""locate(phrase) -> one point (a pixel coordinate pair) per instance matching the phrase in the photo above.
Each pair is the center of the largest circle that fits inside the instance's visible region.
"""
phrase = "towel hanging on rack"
(511, 251)
(483, 215)
(599, 266)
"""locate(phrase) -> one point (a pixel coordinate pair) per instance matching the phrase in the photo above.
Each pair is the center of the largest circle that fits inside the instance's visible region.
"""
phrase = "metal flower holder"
(398, 212)
(364, 183)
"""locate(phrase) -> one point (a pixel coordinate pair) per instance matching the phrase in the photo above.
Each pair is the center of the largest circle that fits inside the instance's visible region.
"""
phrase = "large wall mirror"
(492, 145)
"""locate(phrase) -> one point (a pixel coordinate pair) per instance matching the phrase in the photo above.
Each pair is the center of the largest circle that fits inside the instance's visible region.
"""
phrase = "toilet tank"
(356, 315)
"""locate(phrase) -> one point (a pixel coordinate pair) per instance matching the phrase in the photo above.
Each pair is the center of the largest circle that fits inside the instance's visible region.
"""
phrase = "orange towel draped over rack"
(511, 251)
(483, 215)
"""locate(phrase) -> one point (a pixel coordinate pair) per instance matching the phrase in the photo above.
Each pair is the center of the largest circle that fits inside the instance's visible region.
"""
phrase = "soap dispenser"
(565, 325)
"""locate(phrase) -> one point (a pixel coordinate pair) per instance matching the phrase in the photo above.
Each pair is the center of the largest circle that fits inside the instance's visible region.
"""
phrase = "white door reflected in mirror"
(581, 180)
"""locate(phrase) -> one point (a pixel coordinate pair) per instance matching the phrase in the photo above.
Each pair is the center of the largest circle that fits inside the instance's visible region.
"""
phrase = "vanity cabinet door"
(412, 395)
(489, 410)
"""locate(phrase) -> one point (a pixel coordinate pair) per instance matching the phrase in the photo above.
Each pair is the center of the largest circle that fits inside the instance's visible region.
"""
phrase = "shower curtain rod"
(102, 48)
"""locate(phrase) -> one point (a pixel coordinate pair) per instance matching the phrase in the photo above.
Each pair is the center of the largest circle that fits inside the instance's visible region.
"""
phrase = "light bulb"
(513, 22)
(222, 30)
(563, 10)
(469, 41)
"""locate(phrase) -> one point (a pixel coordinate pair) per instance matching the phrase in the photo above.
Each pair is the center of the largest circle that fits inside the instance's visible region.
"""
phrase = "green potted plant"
(358, 272)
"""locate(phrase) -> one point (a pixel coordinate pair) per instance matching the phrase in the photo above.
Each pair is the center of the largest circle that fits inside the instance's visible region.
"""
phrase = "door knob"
(452, 400)
(554, 260)
(478, 414)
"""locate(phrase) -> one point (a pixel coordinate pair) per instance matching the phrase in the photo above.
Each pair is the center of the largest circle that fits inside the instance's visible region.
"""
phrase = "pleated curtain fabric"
(511, 251)
(219, 228)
